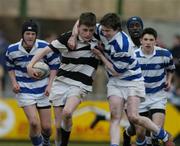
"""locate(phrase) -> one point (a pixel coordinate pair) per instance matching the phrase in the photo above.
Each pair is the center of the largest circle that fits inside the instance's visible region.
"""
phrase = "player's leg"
(116, 108)
(141, 131)
(44, 109)
(45, 118)
(134, 117)
(128, 132)
(58, 120)
(34, 123)
(157, 111)
(66, 124)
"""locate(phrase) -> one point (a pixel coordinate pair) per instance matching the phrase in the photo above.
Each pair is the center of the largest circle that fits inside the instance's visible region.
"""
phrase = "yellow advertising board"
(90, 121)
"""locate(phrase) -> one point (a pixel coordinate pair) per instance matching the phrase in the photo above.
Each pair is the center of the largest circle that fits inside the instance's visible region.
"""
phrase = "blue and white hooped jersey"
(154, 68)
(120, 52)
(17, 59)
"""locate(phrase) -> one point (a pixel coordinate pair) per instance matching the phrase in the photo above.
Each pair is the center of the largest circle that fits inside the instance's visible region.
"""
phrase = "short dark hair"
(111, 20)
(88, 19)
(150, 31)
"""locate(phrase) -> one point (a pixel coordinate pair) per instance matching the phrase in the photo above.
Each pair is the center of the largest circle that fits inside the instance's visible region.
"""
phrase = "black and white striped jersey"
(78, 66)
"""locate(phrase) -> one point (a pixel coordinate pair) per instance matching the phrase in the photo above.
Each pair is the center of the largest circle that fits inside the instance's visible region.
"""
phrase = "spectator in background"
(3, 46)
(175, 92)
(176, 56)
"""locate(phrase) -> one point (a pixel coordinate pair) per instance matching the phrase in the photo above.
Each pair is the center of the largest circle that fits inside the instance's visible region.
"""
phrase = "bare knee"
(67, 114)
(34, 123)
(134, 118)
(115, 116)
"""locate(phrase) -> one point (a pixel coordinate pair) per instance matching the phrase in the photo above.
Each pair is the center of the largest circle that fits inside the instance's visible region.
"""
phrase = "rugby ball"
(42, 69)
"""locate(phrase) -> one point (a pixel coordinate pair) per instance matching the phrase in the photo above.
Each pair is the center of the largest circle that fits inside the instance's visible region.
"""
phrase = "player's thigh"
(132, 106)
(74, 97)
(157, 110)
(45, 117)
(116, 105)
(31, 113)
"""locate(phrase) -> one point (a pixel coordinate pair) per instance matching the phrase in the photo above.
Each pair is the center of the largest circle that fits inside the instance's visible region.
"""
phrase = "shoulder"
(162, 52)
(41, 43)
(13, 47)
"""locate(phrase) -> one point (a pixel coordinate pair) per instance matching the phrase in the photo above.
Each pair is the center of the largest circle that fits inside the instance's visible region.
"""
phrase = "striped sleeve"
(9, 61)
(169, 64)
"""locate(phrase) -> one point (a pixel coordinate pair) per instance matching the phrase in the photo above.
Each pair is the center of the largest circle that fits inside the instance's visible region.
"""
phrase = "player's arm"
(170, 67)
(72, 42)
(53, 61)
(39, 55)
(105, 61)
(10, 67)
(15, 85)
(168, 82)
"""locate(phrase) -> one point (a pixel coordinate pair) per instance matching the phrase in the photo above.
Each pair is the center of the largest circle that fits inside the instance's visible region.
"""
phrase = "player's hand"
(47, 90)
(15, 87)
(97, 52)
(167, 86)
(32, 73)
(72, 42)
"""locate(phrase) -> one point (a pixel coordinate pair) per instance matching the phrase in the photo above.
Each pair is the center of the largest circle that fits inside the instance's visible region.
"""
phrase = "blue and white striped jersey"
(17, 59)
(120, 52)
(154, 68)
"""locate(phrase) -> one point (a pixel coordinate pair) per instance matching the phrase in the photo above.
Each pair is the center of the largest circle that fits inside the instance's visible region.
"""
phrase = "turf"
(15, 143)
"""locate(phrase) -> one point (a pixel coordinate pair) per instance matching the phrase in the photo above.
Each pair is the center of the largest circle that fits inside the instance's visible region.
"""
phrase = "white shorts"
(61, 91)
(154, 101)
(136, 89)
(27, 99)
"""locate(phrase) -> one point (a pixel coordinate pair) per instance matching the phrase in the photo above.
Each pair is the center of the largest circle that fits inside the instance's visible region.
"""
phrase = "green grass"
(15, 143)
(19, 143)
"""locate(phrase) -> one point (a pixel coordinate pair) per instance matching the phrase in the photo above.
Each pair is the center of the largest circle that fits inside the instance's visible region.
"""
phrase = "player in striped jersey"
(157, 68)
(125, 78)
(75, 76)
(135, 27)
(32, 93)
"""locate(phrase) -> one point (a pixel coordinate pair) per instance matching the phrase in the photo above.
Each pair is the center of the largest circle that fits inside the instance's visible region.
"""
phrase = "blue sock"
(161, 135)
(140, 142)
(37, 140)
(114, 145)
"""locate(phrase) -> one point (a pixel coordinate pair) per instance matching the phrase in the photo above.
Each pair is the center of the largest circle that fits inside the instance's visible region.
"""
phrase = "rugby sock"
(162, 134)
(148, 140)
(57, 143)
(46, 140)
(126, 138)
(58, 137)
(65, 137)
(37, 140)
(140, 142)
(114, 145)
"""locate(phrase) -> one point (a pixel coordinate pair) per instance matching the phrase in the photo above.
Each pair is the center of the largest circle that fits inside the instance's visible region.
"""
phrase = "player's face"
(85, 32)
(29, 38)
(108, 32)
(148, 42)
(135, 29)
